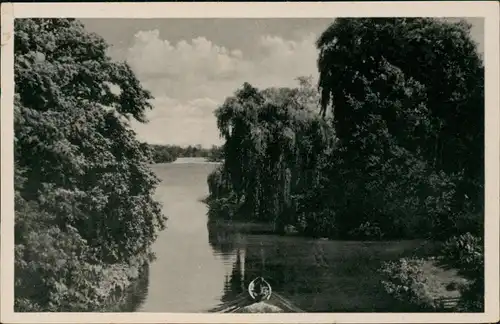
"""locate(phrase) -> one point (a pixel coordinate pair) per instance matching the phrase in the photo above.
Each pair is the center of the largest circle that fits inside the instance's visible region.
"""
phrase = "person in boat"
(260, 289)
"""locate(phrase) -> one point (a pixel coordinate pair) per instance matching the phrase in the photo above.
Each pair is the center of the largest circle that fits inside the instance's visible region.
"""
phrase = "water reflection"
(133, 297)
(223, 241)
(235, 283)
(315, 275)
(200, 266)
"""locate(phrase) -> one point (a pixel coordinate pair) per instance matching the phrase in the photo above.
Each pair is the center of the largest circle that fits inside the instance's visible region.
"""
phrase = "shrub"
(407, 283)
(472, 299)
(56, 269)
(218, 183)
(319, 224)
(223, 207)
(367, 230)
(466, 253)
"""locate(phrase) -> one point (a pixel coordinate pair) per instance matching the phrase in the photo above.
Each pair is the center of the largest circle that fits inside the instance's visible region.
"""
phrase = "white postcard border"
(488, 10)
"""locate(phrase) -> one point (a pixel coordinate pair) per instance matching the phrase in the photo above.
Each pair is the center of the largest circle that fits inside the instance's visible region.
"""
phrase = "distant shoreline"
(188, 160)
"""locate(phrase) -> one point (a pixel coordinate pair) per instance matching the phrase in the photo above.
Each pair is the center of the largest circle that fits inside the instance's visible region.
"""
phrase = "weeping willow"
(274, 139)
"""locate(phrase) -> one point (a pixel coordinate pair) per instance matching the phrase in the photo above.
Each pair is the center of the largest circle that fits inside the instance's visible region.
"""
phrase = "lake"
(200, 266)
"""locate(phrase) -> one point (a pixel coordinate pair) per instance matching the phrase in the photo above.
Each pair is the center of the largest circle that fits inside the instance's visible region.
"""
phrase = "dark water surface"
(200, 266)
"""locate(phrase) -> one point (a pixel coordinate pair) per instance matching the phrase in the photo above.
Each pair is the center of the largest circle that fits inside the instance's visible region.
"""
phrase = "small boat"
(259, 289)
(258, 299)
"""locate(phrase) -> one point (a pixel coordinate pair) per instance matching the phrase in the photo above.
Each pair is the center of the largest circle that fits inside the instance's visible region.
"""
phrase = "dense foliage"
(407, 282)
(394, 150)
(411, 280)
(466, 253)
(407, 97)
(408, 104)
(169, 153)
(377, 164)
(273, 149)
(85, 214)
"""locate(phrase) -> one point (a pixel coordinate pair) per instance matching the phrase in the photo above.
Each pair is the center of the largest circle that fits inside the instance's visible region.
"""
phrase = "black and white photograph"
(213, 163)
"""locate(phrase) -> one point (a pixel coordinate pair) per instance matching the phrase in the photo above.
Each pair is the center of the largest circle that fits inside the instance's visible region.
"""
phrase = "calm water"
(198, 267)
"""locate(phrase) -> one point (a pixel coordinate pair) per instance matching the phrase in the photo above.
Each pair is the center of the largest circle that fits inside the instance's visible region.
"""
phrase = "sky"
(191, 65)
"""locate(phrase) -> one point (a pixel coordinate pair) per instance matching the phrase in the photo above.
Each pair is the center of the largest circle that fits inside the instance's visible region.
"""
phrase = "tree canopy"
(274, 142)
(395, 150)
(170, 153)
(84, 210)
(399, 151)
(408, 93)
(440, 73)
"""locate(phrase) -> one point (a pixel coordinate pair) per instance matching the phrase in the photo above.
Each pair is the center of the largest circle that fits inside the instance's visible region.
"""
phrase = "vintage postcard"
(250, 162)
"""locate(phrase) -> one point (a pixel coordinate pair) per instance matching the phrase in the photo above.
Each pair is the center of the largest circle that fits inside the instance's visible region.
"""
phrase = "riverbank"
(186, 160)
(315, 275)
(193, 160)
(333, 275)
(242, 227)
(129, 298)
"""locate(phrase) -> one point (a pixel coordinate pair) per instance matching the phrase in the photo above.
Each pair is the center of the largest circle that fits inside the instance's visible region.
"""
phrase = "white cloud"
(182, 123)
(191, 78)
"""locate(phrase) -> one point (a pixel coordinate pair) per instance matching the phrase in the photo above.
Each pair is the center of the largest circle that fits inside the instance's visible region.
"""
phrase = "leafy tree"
(274, 139)
(383, 164)
(164, 153)
(395, 150)
(407, 99)
(85, 211)
(169, 153)
(216, 154)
